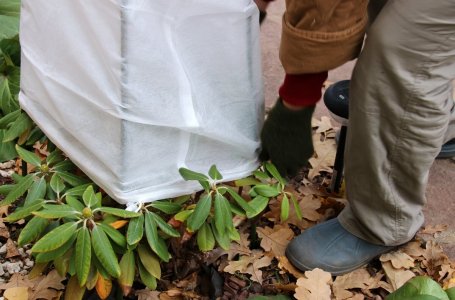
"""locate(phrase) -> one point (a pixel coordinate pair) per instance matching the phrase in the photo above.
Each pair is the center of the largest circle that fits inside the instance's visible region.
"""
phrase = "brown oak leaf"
(414, 249)
(309, 206)
(16, 293)
(239, 247)
(434, 258)
(275, 240)
(324, 157)
(358, 279)
(17, 280)
(47, 286)
(398, 259)
(432, 229)
(285, 265)
(250, 265)
(396, 277)
(11, 249)
(4, 231)
(314, 286)
(147, 294)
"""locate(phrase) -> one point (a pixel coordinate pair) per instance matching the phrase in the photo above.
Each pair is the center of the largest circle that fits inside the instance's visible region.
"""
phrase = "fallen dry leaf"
(414, 249)
(398, 259)
(42, 287)
(450, 283)
(274, 214)
(16, 293)
(285, 265)
(275, 240)
(396, 277)
(309, 189)
(434, 258)
(255, 269)
(11, 249)
(175, 294)
(357, 297)
(239, 247)
(447, 273)
(189, 282)
(324, 157)
(3, 212)
(314, 286)
(432, 229)
(4, 231)
(147, 294)
(323, 125)
(309, 204)
(358, 279)
(250, 265)
(17, 280)
(41, 149)
(239, 265)
(47, 286)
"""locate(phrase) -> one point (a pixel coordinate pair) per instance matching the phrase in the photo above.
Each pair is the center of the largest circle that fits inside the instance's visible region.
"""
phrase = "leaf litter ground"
(256, 264)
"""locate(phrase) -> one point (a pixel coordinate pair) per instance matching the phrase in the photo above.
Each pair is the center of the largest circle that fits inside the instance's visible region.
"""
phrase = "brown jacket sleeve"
(319, 35)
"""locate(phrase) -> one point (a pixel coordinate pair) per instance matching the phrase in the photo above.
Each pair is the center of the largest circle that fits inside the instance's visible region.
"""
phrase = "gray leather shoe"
(330, 247)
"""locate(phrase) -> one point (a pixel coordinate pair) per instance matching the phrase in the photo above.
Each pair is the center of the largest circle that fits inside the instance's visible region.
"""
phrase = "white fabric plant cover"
(132, 90)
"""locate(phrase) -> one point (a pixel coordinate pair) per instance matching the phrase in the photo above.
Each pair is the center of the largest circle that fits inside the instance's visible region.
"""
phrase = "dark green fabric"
(287, 138)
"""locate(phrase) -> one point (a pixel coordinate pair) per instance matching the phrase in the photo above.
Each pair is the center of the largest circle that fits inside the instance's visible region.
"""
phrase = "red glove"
(302, 89)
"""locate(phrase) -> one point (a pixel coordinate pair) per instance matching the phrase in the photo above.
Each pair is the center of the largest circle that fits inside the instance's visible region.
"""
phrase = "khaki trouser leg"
(400, 110)
(450, 134)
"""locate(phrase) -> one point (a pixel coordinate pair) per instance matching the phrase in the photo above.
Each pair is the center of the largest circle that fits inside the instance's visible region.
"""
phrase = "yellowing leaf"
(103, 287)
(118, 224)
(314, 286)
(73, 290)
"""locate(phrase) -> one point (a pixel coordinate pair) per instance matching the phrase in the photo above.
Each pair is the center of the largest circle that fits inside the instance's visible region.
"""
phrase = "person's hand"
(287, 138)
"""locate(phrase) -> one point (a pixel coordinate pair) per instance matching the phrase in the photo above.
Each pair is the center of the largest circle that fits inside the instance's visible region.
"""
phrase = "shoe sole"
(304, 268)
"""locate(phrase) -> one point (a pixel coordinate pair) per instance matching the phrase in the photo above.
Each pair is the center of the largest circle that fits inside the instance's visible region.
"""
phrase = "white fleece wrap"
(132, 90)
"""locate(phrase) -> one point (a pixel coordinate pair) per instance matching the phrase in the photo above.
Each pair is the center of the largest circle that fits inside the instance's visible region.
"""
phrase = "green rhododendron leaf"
(419, 288)
(83, 255)
(55, 238)
(200, 213)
